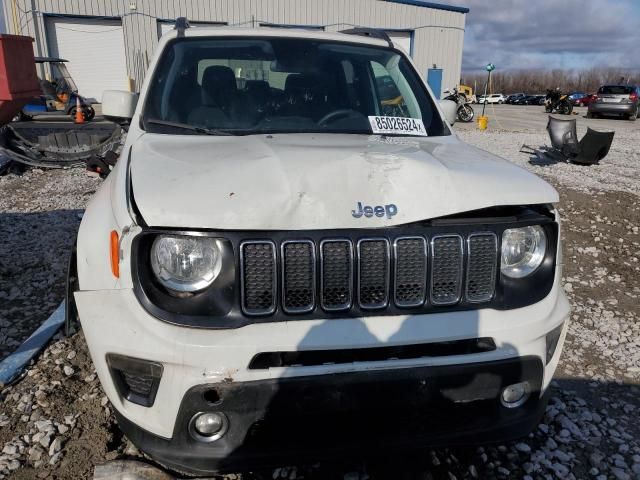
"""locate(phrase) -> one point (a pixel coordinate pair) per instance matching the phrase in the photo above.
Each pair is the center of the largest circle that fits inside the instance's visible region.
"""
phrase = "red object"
(633, 96)
(18, 77)
(585, 101)
(79, 115)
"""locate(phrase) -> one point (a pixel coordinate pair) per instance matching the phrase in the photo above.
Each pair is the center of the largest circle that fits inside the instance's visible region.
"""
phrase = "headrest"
(220, 78)
(257, 86)
(301, 81)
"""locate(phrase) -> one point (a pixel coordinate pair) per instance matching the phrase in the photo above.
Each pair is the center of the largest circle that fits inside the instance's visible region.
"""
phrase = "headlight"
(523, 250)
(185, 263)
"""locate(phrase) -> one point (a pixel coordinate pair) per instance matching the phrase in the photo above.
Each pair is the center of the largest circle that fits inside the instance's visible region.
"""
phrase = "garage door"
(402, 40)
(95, 50)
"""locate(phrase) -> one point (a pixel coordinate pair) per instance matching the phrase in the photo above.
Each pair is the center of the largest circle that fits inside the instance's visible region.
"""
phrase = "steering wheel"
(342, 112)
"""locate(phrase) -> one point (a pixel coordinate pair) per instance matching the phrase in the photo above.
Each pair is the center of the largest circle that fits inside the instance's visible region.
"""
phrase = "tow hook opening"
(212, 397)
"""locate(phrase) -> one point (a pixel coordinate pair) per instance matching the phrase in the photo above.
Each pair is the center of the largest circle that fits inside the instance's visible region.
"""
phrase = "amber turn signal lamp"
(115, 255)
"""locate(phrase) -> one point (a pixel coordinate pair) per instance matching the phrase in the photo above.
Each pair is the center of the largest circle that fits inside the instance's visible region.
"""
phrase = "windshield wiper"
(186, 126)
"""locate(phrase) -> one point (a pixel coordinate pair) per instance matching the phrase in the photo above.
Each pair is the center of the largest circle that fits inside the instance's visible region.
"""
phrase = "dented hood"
(315, 181)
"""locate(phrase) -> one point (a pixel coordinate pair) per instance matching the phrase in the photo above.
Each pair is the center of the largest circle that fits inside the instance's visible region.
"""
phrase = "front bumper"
(114, 322)
(612, 108)
(307, 418)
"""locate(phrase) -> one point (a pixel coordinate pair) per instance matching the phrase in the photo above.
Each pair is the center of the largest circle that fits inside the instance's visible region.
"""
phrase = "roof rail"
(369, 32)
(181, 25)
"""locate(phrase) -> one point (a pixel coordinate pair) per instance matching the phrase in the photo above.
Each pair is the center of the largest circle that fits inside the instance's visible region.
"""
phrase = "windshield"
(268, 85)
(63, 78)
(615, 90)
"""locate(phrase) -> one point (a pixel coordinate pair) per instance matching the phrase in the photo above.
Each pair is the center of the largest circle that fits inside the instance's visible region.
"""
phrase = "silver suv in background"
(616, 100)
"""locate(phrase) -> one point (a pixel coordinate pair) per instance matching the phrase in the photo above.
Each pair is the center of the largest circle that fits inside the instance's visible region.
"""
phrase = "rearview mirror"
(450, 110)
(119, 104)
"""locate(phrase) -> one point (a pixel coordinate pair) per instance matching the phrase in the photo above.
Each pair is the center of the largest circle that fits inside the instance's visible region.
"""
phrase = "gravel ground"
(56, 422)
(617, 172)
(39, 217)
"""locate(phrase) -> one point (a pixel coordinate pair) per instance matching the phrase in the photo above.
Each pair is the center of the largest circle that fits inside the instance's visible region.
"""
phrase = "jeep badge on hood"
(379, 211)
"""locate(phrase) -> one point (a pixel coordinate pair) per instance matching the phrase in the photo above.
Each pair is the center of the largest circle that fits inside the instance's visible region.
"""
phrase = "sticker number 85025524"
(397, 126)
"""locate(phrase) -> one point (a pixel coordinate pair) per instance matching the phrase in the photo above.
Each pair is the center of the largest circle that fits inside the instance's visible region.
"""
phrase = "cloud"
(527, 34)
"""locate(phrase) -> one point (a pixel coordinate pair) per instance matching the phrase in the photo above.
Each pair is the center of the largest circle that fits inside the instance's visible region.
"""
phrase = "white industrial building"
(109, 43)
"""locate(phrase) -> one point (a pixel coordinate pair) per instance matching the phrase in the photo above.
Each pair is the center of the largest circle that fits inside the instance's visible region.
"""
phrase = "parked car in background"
(511, 99)
(616, 100)
(521, 100)
(493, 98)
(585, 100)
(533, 100)
(573, 96)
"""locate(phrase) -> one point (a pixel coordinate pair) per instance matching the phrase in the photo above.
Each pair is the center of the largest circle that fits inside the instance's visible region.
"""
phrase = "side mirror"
(450, 110)
(119, 104)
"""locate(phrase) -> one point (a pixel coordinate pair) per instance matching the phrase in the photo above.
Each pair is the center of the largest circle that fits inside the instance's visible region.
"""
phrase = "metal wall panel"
(438, 34)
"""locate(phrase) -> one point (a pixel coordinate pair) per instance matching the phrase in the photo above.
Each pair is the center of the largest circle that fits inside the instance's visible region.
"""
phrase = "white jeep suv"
(295, 256)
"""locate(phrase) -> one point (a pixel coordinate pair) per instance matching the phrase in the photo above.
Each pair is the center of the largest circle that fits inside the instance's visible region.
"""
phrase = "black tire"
(633, 116)
(465, 113)
(565, 108)
(91, 113)
(500, 102)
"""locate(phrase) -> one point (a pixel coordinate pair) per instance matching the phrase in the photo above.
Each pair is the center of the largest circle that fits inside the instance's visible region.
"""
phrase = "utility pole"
(490, 67)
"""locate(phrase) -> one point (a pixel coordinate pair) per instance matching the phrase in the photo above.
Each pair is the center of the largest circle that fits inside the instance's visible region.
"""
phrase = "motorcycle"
(559, 102)
(465, 111)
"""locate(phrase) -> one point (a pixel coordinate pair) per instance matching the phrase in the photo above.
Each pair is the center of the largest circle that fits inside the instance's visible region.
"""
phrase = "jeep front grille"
(481, 266)
(446, 269)
(410, 277)
(258, 277)
(336, 278)
(298, 276)
(371, 272)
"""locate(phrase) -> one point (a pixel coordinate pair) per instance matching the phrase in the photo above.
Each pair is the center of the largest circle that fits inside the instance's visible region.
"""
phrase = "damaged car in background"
(279, 270)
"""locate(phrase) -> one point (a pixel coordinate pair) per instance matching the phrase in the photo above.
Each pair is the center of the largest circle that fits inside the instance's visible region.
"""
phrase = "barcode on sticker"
(397, 126)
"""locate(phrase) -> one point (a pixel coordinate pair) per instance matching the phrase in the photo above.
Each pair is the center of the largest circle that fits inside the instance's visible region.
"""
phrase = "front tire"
(465, 113)
(565, 108)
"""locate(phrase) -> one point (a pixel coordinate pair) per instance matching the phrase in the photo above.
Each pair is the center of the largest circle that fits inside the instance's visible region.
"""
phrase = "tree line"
(538, 81)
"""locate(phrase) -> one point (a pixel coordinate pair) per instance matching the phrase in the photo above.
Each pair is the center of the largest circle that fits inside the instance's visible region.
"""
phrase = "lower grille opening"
(136, 380)
(265, 360)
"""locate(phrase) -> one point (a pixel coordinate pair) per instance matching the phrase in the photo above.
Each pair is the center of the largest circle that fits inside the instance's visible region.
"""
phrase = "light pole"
(490, 68)
(482, 120)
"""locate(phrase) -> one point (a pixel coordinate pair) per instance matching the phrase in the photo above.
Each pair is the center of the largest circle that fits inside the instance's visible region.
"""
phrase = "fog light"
(208, 427)
(515, 395)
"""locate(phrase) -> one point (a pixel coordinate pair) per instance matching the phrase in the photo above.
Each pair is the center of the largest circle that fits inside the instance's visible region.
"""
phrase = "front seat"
(218, 92)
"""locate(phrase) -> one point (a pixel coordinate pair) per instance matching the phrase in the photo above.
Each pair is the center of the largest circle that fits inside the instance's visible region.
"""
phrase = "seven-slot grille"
(371, 272)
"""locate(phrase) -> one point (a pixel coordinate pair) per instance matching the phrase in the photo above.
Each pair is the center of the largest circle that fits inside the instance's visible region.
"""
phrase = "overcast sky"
(516, 34)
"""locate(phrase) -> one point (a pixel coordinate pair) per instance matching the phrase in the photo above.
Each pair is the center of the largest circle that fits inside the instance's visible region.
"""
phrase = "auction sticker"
(397, 126)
